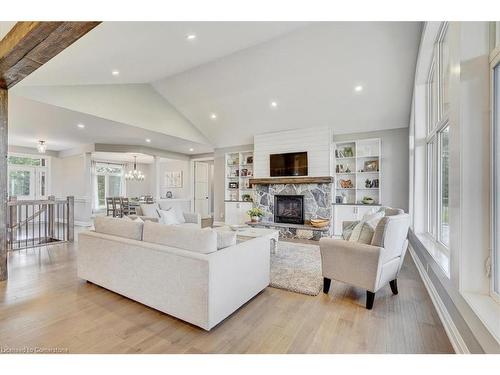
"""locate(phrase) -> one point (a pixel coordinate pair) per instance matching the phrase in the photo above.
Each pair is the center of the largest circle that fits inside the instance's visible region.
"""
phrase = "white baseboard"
(449, 326)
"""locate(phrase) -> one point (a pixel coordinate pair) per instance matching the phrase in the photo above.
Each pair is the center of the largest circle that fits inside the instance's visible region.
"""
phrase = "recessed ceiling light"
(358, 88)
(81, 126)
(191, 36)
(148, 140)
(274, 104)
(115, 73)
(191, 149)
(213, 116)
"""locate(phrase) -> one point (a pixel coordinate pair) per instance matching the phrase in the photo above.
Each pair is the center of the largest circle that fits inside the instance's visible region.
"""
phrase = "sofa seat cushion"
(196, 240)
(119, 227)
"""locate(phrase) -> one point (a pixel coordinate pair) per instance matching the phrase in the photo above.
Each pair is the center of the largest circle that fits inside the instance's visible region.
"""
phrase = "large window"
(496, 179)
(27, 176)
(108, 181)
(437, 139)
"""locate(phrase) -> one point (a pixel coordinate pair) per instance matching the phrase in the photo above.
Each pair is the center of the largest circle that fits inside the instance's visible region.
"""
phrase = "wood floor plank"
(45, 304)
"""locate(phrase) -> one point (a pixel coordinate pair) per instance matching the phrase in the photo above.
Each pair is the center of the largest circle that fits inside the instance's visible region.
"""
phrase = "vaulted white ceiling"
(233, 69)
(147, 51)
(311, 73)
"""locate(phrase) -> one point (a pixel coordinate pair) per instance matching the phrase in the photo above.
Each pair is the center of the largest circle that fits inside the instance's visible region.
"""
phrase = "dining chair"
(127, 208)
(117, 207)
(109, 207)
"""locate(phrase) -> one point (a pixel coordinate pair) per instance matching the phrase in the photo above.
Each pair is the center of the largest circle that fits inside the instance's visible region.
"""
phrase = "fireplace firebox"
(289, 209)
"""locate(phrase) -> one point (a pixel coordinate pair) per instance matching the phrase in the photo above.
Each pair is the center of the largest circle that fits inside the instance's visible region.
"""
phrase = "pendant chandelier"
(135, 174)
(41, 147)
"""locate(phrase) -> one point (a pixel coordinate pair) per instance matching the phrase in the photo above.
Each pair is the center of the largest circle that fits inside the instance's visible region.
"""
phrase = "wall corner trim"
(452, 331)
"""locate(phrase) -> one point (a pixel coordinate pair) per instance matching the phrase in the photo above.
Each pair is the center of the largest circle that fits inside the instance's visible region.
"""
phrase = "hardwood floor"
(45, 305)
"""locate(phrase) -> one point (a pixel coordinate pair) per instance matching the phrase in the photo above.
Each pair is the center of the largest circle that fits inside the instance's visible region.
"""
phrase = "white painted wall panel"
(316, 141)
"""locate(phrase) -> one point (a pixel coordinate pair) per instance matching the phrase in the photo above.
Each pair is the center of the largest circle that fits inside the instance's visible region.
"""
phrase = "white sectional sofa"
(179, 271)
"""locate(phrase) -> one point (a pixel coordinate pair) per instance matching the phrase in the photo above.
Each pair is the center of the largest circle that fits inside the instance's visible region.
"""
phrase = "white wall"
(316, 141)
(175, 166)
(68, 178)
(394, 178)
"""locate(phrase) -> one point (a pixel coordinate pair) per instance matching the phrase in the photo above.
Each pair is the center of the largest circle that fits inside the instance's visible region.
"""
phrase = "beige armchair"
(368, 266)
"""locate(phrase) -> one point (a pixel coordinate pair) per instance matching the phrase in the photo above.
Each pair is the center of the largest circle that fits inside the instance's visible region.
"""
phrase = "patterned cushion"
(364, 230)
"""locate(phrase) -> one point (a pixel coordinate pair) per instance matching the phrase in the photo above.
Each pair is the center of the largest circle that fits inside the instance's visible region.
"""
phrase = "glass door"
(22, 182)
(28, 177)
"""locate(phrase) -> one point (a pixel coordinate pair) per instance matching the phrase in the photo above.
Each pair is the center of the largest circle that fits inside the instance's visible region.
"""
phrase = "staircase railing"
(32, 223)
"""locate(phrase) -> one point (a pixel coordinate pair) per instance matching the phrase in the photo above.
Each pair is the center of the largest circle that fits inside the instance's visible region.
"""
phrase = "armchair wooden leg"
(326, 285)
(394, 286)
(370, 297)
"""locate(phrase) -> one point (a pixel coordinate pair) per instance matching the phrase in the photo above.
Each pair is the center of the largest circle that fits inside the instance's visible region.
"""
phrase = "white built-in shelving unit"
(239, 169)
(358, 170)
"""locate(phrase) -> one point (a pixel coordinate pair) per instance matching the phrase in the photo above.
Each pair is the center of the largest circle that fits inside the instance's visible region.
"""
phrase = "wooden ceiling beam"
(29, 45)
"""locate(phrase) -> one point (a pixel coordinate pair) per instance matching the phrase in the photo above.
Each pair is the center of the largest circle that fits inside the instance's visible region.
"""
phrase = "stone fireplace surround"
(318, 199)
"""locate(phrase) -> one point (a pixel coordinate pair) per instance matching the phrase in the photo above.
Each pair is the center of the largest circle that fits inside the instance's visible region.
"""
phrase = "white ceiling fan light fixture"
(41, 147)
(358, 88)
(135, 174)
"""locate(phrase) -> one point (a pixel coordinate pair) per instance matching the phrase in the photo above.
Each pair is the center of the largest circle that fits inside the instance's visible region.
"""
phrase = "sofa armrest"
(192, 217)
(237, 273)
(351, 262)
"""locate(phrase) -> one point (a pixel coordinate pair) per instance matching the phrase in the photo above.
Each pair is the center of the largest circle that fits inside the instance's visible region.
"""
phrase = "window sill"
(487, 310)
(438, 252)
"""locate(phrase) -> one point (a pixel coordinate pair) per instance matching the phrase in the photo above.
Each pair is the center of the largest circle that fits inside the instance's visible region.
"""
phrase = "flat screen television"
(290, 164)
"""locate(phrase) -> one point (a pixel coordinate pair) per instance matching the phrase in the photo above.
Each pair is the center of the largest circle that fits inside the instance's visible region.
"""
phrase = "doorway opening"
(203, 187)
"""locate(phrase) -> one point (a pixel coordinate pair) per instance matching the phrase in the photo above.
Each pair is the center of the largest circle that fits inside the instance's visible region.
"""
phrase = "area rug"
(297, 268)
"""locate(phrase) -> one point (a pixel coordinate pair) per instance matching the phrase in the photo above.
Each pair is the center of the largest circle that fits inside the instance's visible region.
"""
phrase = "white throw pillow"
(168, 217)
(150, 210)
(178, 214)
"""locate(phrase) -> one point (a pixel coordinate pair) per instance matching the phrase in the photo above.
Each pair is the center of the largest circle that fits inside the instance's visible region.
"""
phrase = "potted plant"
(246, 198)
(255, 214)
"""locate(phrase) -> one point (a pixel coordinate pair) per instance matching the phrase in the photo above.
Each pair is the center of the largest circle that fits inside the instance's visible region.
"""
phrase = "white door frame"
(192, 178)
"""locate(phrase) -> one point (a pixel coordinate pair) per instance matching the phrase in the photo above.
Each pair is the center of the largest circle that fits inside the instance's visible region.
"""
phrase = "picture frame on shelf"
(233, 185)
(371, 166)
(249, 159)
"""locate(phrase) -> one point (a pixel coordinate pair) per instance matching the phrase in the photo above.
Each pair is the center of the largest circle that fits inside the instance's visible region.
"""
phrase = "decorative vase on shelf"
(255, 219)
